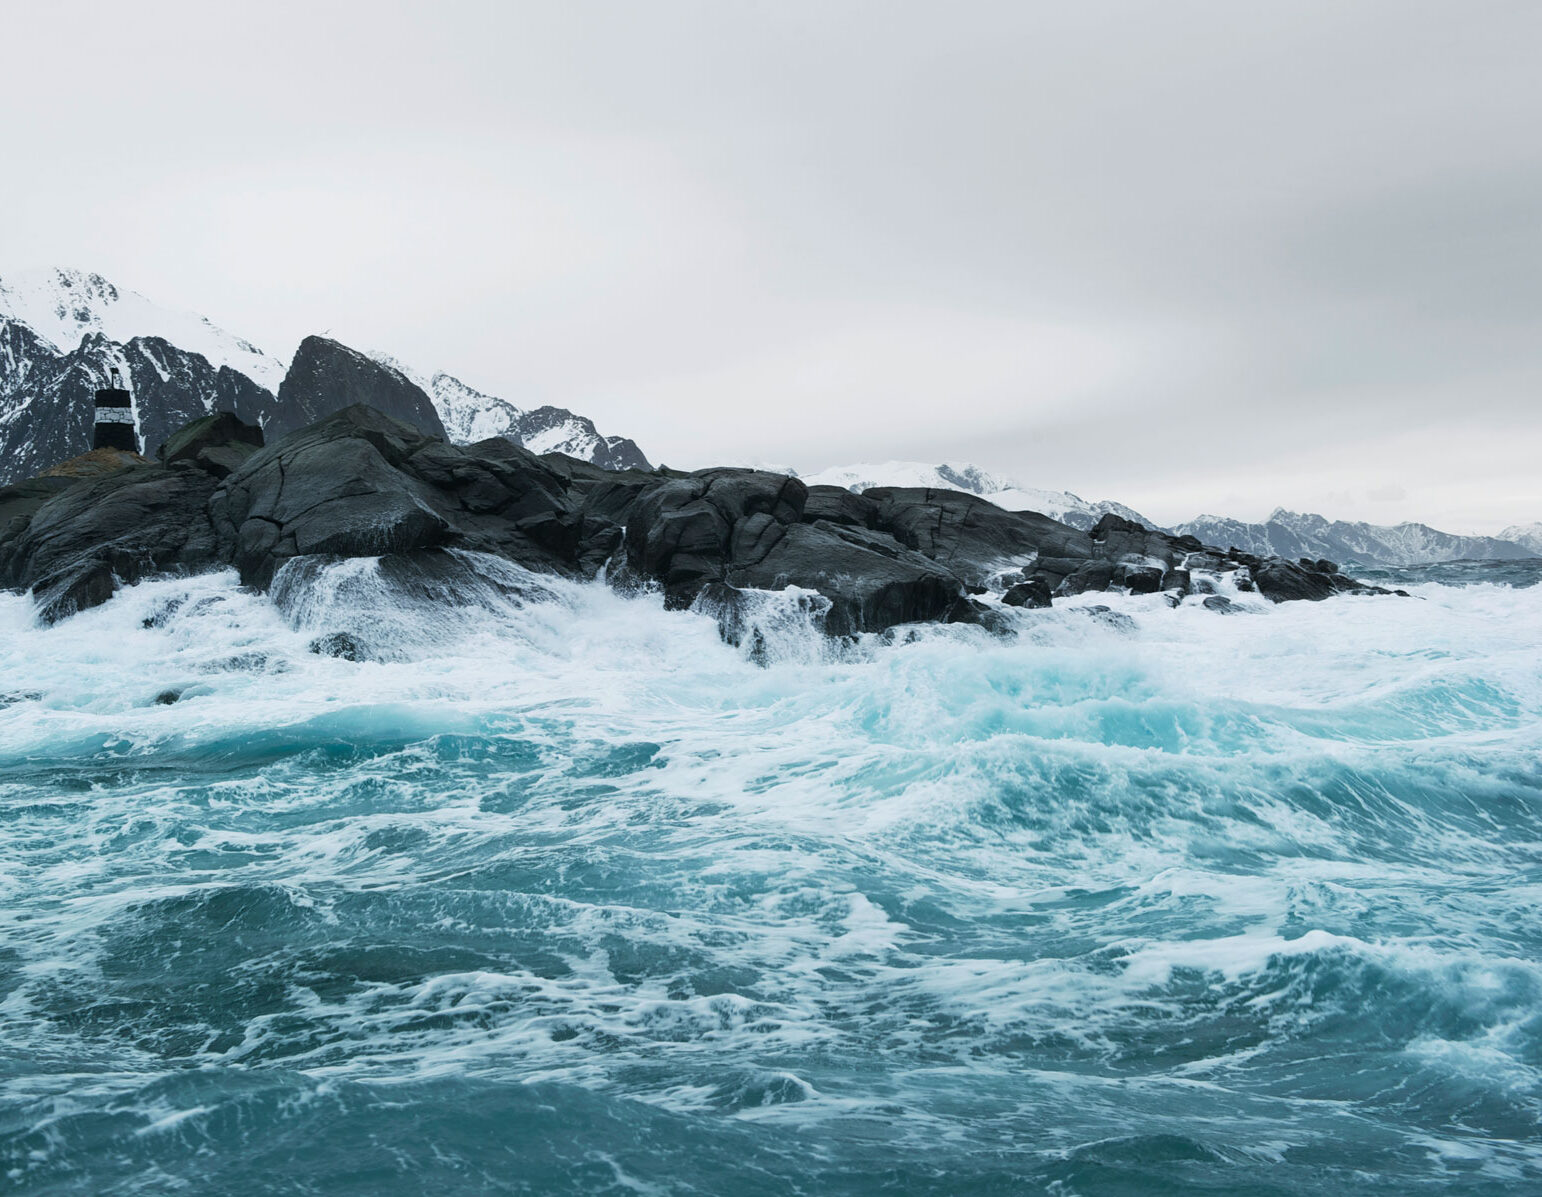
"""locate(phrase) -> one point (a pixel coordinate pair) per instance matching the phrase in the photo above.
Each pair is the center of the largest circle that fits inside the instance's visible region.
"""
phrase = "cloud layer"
(1192, 256)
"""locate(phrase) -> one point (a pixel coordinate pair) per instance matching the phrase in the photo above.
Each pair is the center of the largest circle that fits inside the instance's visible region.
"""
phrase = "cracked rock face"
(360, 483)
(326, 376)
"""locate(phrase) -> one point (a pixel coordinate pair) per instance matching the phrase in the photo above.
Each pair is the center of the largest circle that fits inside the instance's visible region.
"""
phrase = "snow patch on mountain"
(470, 415)
(857, 478)
(1304, 534)
(1062, 505)
(66, 306)
(1528, 536)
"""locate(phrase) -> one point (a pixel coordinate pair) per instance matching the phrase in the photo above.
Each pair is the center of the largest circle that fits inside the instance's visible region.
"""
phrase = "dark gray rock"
(325, 377)
(342, 645)
(335, 488)
(19, 502)
(1092, 575)
(684, 532)
(219, 444)
(1033, 594)
(78, 545)
(1140, 579)
(362, 483)
(974, 539)
(837, 505)
(1281, 581)
(872, 583)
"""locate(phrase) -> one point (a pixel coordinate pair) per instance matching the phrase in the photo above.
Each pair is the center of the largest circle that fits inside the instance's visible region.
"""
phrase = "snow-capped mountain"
(1528, 536)
(471, 415)
(1297, 534)
(66, 306)
(47, 395)
(1061, 505)
(63, 331)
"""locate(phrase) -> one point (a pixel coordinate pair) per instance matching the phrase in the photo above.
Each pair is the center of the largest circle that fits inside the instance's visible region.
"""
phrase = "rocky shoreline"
(362, 484)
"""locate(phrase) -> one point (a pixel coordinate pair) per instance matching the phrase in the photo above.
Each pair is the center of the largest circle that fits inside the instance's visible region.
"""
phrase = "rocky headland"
(360, 483)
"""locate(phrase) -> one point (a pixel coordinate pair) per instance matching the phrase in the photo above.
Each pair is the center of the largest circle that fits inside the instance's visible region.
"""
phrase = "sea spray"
(559, 891)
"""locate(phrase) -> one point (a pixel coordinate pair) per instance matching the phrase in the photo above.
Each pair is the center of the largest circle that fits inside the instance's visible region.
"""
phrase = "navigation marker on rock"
(115, 417)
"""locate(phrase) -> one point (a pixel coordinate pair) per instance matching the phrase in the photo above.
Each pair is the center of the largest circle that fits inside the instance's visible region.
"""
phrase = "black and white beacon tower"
(114, 417)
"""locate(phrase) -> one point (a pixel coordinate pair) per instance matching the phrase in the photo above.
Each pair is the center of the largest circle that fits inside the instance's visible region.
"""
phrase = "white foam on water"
(1139, 863)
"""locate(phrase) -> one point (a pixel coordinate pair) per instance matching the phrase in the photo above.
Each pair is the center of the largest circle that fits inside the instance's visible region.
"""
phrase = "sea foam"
(559, 891)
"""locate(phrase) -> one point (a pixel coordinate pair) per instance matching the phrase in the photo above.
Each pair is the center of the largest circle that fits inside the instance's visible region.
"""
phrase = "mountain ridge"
(471, 415)
(62, 331)
(1307, 534)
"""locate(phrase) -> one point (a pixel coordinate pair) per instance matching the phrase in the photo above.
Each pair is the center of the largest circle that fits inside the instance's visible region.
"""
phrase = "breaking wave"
(555, 891)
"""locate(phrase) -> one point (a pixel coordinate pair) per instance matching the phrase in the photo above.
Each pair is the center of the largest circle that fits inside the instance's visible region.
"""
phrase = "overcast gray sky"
(1196, 257)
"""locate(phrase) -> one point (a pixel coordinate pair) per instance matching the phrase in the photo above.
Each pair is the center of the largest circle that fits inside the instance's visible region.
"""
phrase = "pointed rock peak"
(66, 306)
(327, 376)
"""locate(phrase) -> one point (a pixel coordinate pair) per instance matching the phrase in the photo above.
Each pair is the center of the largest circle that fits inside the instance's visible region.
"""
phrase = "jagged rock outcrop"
(79, 542)
(362, 484)
(326, 376)
(218, 444)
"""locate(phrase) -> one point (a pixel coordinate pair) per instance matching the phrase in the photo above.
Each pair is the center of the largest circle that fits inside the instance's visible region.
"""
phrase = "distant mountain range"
(62, 332)
(1294, 534)
(1286, 534)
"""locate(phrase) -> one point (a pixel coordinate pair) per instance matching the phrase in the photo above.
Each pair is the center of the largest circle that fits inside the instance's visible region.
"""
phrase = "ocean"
(562, 894)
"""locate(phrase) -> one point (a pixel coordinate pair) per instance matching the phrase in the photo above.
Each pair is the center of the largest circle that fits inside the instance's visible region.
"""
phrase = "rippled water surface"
(568, 896)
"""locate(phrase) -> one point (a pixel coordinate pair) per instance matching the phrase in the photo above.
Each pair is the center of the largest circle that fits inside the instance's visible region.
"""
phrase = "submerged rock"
(344, 645)
(1034, 594)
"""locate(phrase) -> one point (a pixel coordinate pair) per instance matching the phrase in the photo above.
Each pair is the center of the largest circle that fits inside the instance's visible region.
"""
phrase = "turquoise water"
(567, 896)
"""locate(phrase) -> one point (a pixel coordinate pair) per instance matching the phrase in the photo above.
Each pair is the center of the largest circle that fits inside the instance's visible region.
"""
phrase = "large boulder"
(335, 488)
(361, 484)
(79, 544)
(972, 537)
(219, 444)
(685, 532)
(19, 502)
(872, 582)
(837, 505)
(327, 376)
(1282, 581)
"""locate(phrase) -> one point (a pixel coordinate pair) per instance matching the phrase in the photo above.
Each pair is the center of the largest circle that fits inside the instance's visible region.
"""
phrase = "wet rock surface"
(360, 483)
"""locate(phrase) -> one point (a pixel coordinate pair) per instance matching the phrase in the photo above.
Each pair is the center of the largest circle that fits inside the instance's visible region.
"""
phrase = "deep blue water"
(570, 897)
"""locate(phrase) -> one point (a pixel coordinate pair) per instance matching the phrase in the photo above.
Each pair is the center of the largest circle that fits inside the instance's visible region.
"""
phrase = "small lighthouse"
(114, 417)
